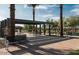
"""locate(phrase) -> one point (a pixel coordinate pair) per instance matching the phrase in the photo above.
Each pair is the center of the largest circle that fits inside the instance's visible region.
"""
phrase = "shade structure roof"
(23, 21)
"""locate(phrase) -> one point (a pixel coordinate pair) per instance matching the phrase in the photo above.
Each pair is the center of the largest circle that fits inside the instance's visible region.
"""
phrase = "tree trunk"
(11, 26)
(61, 20)
(33, 19)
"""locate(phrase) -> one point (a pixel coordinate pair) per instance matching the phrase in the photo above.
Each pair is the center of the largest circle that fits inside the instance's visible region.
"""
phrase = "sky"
(43, 12)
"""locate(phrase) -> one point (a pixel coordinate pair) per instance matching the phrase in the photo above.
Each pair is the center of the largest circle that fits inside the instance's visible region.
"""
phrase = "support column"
(3, 27)
(44, 29)
(12, 22)
(20, 29)
(1, 30)
(61, 20)
(40, 29)
(49, 30)
(36, 28)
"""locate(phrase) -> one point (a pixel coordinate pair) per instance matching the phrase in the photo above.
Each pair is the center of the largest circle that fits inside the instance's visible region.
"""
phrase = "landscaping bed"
(2, 43)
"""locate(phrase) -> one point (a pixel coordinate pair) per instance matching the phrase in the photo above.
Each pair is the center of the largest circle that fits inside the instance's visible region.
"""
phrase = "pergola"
(6, 23)
(12, 21)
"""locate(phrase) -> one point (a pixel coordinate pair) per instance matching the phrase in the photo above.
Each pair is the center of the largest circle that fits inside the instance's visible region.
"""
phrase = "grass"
(75, 52)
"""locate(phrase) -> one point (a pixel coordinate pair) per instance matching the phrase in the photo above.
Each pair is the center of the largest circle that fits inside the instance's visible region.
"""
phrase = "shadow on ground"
(37, 50)
(34, 51)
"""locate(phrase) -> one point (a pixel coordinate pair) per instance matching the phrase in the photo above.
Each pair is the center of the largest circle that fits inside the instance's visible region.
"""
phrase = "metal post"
(2, 32)
(36, 28)
(49, 30)
(61, 20)
(44, 29)
(40, 29)
(1, 29)
(33, 29)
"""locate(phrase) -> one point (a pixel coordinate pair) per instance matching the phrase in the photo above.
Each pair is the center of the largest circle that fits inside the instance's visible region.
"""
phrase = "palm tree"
(12, 23)
(33, 8)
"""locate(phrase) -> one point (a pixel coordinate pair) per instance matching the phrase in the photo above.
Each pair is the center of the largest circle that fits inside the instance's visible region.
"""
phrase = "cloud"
(2, 18)
(75, 11)
(19, 25)
(46, 6)
(50, 16)
(56, 17)
(53, 5)
(41, 7)
(38, 6)
(25, 6)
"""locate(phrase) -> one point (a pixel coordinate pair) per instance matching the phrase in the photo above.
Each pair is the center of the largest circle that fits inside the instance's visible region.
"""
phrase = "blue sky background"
(43, 12)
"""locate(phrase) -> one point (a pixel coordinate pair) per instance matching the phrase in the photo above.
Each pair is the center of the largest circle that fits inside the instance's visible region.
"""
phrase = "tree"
(72, 21)
(27, 28)
(33, 8)
(54, 24)
(12, 22)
